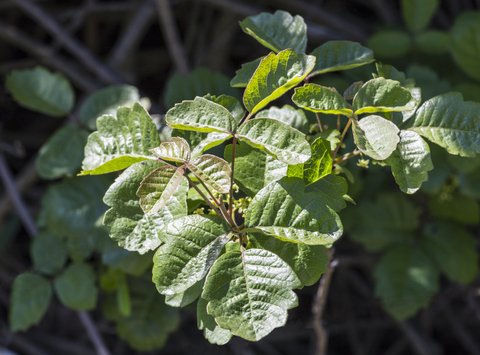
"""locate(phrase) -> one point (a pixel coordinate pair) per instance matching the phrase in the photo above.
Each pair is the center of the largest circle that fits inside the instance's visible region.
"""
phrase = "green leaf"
(187, 297)
(433, 42)
(192, 245)
(176, 149)
(213, 171)
(340, 55)
(42, 91)
(277, 31)
(72, 207)
(390, 43)
(417, 14)
(105, 102)
(308, 262)
(319, 165)
(128, 225)
(245, 73)
(129, 262)
(287, 210)
(288, 115)
(451, 123)
(76, 288)
(465, 38)
(62, 154)
(198, 82)
(321, 99)
(230, 103)
(255, 295)
(48, 253)
(406, 280)
(275, 75)
(454, 251)
(410, 162)
(30, 297)
(211, 330)
(456, 208)
(211, 140)
(276, 138)
(159, 186)
(120, 141)
(381, 95)
(150, 322)
(201, 115)
(375, 136)
(253, 168)
(378, 224)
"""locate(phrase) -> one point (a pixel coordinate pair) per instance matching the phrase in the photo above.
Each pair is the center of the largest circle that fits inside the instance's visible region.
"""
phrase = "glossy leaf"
(213, 171)
(376, 137)
(410, 162)
(256, 295)
(340, 55)
(159, 186)
(453, 250)
(120, 141)
(288, 115)
(276, 138)
(176, 149)
(230, 103)
(75, 287)
(201, 115)
(42, 91)
(321, 99)
(275, 75)
(105, 102)
(288, 211)
(418, 13)
(253, 168)
(186, 297)
(451, 123)
(62, 154)
(381, 95)
(212, 140)
(211, 330)
(319, 165)
(193, 243)
(245, 73)
(406, 280)
(29, 300)
(277, 31)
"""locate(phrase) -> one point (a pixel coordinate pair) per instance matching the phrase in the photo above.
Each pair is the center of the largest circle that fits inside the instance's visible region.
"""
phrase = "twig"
(45, 54)
(170, 33)
(342, 137)
(68, 41)
(132, 34)
(32, 230)
(318, 307)
(319, 121)
(462, 333)
(230, 200)
(93, 333)
(420, 345)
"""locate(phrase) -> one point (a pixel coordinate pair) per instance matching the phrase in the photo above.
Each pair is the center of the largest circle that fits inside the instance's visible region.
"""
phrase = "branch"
(319, 306)
(170, 33)
(45, 54)
(68, 41)
(31, 227)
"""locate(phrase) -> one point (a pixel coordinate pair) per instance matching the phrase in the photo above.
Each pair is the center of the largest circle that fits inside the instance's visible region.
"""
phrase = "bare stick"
(230, 200)
(45, 54)
(319, 306)
(132, 34)
(30, 226)
(68, 41)
(171, 36)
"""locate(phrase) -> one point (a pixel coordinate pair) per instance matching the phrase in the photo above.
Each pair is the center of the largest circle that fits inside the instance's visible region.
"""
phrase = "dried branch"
(170, 33)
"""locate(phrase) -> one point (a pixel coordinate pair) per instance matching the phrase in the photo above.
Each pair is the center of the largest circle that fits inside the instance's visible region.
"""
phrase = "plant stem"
(347, 156)
(319, 121)
(230, 201)
(319, 306)
(342, 137)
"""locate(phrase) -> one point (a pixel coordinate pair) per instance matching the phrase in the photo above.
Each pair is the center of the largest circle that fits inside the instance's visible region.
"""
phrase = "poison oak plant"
(271, 202)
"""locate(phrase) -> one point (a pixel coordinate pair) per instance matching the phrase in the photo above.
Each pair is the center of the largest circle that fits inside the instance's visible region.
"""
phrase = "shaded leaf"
(245, 73)
(48, 253)
(42, 91)
(418, 13)
(76, 288)
(288, 115)
(211, 330)
(465, 38)
(390, 43)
